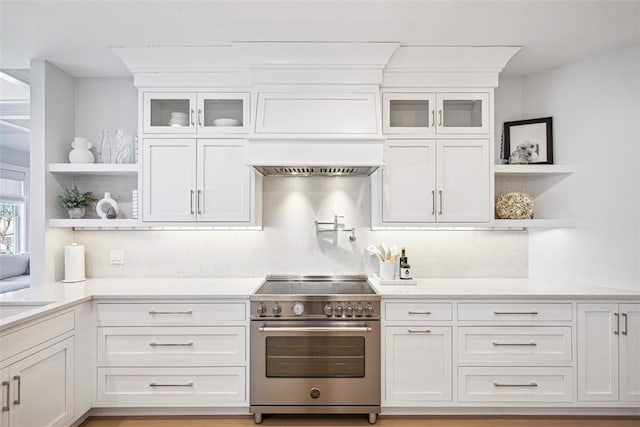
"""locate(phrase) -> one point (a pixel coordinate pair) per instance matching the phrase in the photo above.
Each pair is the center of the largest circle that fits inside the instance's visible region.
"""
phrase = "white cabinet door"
(463, 113)
(463, 181)
(408, 181)
(220, 113)
(418, 364)
(169, 180)
(409, 113)
(630, 352)
(43, 387)
(597, 352)
(224, 181)
(5, 397)
(169, 112)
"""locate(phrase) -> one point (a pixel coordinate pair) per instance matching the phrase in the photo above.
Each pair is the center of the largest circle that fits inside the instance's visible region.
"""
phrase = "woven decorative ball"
(514, 206)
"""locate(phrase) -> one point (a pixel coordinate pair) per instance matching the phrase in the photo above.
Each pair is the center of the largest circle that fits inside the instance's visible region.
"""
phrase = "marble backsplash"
(289, 244)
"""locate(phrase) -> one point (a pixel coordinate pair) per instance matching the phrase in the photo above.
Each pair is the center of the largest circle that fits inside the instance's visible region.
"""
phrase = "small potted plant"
(75, 201)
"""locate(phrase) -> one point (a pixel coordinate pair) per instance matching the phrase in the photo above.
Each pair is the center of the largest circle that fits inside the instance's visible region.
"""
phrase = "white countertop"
(62, 295)
(495, 287)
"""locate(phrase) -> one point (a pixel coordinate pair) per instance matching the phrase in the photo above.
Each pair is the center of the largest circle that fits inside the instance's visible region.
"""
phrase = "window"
(13, 209)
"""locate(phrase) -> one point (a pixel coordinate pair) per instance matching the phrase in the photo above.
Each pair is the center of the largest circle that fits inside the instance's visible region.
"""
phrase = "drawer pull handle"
(497, 384)
(419, 312)
(532, 344)
(419, 331)
(186, 344)
(17, 400)
(153, 312)
(171, 385)
(5, 408)
(617, 331)
(515, 312)
(626, 324)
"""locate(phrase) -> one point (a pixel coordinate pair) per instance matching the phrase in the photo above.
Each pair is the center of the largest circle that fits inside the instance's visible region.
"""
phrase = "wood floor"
(351, 421)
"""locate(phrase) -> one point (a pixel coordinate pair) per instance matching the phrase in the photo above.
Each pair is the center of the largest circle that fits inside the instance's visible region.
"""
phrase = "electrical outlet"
(116, 256)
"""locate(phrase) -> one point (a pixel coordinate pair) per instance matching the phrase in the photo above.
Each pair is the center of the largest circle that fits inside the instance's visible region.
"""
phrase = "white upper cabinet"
(427, 181)
(429, 114)
(195, 113)
(187, 180)
(409, 181)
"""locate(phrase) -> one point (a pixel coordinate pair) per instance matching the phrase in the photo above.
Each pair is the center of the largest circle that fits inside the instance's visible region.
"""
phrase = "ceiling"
(76, 35)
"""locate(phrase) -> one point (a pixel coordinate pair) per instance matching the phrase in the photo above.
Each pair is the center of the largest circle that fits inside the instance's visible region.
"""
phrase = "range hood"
(315, 158)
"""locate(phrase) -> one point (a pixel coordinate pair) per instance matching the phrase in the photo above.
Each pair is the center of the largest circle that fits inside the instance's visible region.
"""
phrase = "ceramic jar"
(81, 152)
(107, 207)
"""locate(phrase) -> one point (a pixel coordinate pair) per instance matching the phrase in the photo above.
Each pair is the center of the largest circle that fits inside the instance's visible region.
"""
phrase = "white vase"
(104, 204)
(76, 213)
(81, 152)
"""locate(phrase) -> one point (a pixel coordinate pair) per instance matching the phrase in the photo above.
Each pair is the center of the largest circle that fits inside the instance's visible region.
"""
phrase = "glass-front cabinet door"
(409, 113)
(223, 112)
(463, 113)
(169, 112)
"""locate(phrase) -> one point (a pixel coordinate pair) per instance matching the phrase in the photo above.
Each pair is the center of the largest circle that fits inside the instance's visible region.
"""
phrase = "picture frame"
(531, 141)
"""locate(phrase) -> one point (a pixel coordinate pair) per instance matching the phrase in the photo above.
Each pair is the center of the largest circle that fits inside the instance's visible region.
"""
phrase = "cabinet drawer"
(417, 311)
(171, 345)
(171, 386)
(505, 312)
(180, 314)
(514, 344)
(18, 341)
(501, 384)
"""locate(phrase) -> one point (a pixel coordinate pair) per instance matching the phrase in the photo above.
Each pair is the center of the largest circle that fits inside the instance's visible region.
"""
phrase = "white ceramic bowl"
(226, 122)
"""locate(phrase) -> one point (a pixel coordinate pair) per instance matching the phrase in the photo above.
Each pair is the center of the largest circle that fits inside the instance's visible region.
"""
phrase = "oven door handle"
(314, 329)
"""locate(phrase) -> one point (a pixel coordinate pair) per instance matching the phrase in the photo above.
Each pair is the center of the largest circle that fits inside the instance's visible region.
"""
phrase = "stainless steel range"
(315, 346)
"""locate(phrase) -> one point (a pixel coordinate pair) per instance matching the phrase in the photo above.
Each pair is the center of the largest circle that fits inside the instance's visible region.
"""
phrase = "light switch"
(116, 256)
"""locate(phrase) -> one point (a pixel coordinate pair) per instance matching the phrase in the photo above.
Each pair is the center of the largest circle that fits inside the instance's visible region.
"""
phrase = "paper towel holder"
(74, 263)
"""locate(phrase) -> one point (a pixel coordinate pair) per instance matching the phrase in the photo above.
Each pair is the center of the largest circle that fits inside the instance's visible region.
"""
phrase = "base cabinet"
(609, 352)
(418, 364)
(38, 390)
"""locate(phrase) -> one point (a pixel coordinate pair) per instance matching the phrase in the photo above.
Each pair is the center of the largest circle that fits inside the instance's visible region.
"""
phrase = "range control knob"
(262, 310)
(359, 310)
(328, 310)
(276, 310)
(368, 309)
(338, 310)
(348, 310)
(298, 308)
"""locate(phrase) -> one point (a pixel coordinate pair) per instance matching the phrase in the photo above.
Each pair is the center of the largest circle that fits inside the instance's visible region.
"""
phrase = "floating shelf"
(95, 223)
(532, 170)
(94, 168)
(533, 223)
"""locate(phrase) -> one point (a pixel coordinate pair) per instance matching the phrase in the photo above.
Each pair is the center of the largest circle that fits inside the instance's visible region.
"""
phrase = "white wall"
(595, 104)
(508, 106)
(289, 244)
(52, 126)
(120, 98)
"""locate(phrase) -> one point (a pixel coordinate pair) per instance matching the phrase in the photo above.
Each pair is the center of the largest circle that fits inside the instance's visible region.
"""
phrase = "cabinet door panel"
(5, 396)
(223, 113)
(630, 352)
(463, 181)
(169, 181)
(597, 352)
(224, 181)
(418, 364)
(46, 387)
(169, 112)
(409, 113)
(408, 181)
(463, 113)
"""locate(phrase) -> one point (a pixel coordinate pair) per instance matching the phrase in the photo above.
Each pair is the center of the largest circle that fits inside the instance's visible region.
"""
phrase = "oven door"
(315, 362)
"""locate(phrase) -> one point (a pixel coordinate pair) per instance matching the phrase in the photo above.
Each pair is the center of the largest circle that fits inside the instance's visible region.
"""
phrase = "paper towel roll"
(74, 263)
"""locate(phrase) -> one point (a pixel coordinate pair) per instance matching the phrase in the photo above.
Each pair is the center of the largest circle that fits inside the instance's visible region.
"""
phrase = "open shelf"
(94, 168)
(94, 223)
(532, 170)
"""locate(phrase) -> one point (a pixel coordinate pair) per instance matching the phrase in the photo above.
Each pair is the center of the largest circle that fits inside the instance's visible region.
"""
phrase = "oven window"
(315, 357)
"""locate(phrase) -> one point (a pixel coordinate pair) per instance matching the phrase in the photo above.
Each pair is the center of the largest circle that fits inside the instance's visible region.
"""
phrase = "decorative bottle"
(107, 207)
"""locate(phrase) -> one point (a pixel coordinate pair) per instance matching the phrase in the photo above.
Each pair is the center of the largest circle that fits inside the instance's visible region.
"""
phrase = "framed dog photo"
(529, 141)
